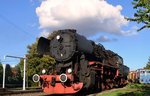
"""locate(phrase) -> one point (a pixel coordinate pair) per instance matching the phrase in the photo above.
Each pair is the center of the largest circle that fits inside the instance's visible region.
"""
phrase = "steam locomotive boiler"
(80, 64)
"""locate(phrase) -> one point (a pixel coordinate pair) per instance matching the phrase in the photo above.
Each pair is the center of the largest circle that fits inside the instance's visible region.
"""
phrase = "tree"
(16, 76)
(148, 64)
(142, 14)
(35, 62)
(8, 74)
(1, 73)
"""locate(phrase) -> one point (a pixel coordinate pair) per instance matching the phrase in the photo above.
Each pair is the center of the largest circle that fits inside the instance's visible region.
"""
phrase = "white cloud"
(130, 32)
(105, 39)
(45, 33)
(87, 16)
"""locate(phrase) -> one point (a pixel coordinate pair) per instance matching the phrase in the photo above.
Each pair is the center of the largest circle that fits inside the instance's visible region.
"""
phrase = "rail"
(4, 91)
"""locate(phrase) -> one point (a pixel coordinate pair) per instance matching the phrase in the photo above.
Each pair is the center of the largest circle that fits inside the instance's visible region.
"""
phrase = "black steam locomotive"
(80, 64)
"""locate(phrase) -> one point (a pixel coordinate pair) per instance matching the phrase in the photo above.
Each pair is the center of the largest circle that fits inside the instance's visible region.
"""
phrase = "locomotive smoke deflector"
(43, 46)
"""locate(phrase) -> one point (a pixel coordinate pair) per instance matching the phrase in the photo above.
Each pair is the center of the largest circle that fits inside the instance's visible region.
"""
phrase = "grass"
(129, 90)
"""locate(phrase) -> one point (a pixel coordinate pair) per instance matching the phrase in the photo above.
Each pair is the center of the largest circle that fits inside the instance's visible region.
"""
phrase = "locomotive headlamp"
(58, 37)
(61, 54)
(36, 78)
(43, 71)
(63, 78)
(69, 70)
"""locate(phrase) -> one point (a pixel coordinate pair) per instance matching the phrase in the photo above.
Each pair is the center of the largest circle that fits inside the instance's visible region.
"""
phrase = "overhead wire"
(15, 25)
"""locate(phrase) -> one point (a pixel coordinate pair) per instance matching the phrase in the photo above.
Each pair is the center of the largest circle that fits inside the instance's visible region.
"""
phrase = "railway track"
(38, 92)
(12, 92)
(31, 92)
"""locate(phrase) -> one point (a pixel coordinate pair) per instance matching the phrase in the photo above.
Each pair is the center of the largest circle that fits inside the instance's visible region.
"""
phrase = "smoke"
(89, 17)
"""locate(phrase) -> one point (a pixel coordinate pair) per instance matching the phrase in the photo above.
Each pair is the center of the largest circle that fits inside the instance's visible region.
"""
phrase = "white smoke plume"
(89, 17)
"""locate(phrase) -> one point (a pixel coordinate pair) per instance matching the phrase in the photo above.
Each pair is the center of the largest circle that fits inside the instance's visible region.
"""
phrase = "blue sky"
(19, 25)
